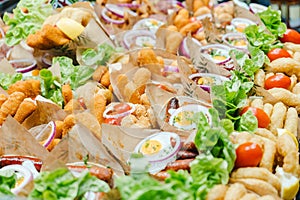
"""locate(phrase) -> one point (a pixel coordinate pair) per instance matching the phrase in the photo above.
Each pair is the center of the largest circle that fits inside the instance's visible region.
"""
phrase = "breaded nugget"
(288, 66)
(266, 133)
(182, 18)
(72, 105)
(287, 97)
(202, 11)
(259, 78)
(290, 163)
(11, 105)
(257, 103)
(67, 93)
(257, 173)
(58, 129)
(217, 192)
(99, 72)
(141, 77)
(296, 88)
(31, 88)
(54, 142)
(291, 46)
(25, 109)
(105, 79)
(3, 98)
(277, 117)
(235, 192)
(267, 160)
(256, 185)
(268, 108)
(291, 121)
(129, 121)
(99, 106)
(293, 82)
(190, 28)
(69, 122)
(147, 56)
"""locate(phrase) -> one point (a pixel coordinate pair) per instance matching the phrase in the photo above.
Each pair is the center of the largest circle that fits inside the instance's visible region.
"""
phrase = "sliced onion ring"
(218, 46)
(116, 10)
(169, 68)
(26, 69)
(111, 107)
(129, 5)
(109, 20)
(25, 173)
(183, 49)
(131, 35)
(50, 136)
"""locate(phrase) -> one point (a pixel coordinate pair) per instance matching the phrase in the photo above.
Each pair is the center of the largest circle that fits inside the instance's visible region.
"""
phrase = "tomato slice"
(278, 53)
(113, 121)
(278, 81)
(291, 36)
(262, 117)
(121, 108)
(248, 154)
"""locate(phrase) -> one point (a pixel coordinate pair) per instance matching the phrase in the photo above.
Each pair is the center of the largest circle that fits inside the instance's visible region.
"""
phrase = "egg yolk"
(219, 57)
(151, 147)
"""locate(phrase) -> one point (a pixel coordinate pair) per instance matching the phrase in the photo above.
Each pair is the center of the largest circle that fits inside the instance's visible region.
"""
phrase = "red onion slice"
(169, 68)
(129, 5)
(24, 172)
(110, 20)
(26, 68)
(118, 11)
(183, 50)
(218, 47)
(231, 36)
(44, 133)
(256, 8)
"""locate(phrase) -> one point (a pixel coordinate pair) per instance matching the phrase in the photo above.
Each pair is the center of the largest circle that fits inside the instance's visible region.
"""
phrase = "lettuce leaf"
(6, 79)
(8, 180)
(100, 56)
(272, 20)
(61, 184)
(24, 23)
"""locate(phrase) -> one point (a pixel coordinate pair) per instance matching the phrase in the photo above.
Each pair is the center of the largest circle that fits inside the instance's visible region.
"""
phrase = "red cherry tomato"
(278, 81)
(248, 155)
(262, 118)
(278, 53)
(121, 108)
(291, 36)
(113, 121)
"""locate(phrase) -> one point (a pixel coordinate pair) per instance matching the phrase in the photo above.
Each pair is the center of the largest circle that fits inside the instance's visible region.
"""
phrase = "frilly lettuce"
(6, 79)
(24, 23)
(8, 180)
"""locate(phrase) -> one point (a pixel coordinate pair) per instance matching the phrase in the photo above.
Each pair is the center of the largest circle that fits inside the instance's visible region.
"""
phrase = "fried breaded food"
(218, 192)
(105, 79)
(99, 106)
(99, 72)
(11, 105)
(259, 78)
(285, 96)
(235, 192)
(182, 18)
(257, 173)
(147, 56)
(69, 122)
(3, 98)
(266, 133)
(277, 117)
(268, 158)
(72, 105)
(58, 129)
(67, 93)
(288, 66)
(25, 109)
(47, 38)
(291, 121)
(256, 185)
(190, 28)
(31, 88)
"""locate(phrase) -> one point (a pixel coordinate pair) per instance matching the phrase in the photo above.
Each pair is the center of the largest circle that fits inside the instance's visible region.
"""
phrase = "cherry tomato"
(248, 154)
(121, 108)
(291, 36)
(113, 121)
(262, 118)
(278, 81)
(278, 53)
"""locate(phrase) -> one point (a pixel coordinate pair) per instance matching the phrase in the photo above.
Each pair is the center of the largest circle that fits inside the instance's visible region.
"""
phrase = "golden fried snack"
(190, 28)
(257, 103)
(69, 122)
(296, 88)
(99, 72)
(99, 106)
(202, 11)
(141, 77)
(31, 88)
(293, 82)
(257, 173)
(235, 192)
(288, 66)
(144, 100)
(105, 79)
(268, 108)
(291, 46)
(277, 117)
(256, 185)
(267, 160)
(287, 97)
(72, 105)
(3, 98)
(287, 148)
(291, 121)
(217, 192)
(25, 109)
(139, 111)
(266, 133)
(48, 37)
(59, 129)
(296, 56)
(259, 78)
(67, 93)
(147, 56)
(11, 105)
(250, 196)
(243, 137)
(129, 121)
(182, 18)
(54, 142)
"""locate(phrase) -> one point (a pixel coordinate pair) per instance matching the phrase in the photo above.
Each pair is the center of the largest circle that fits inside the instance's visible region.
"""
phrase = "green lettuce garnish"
(62, 184)
(272, 20)
(6, 79)
(8, 181)
(100, 56)
(24, 23)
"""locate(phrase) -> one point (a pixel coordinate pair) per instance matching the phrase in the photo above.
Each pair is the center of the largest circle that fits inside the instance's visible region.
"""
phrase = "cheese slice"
(70, 27)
